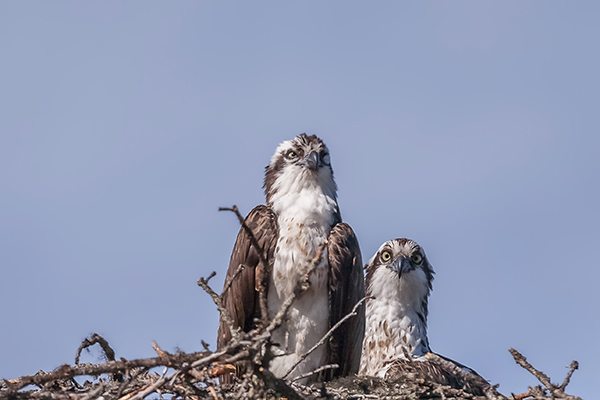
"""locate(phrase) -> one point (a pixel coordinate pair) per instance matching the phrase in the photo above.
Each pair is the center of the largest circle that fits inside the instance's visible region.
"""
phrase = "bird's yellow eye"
(386, 256)
(291, 154)
(416, 258)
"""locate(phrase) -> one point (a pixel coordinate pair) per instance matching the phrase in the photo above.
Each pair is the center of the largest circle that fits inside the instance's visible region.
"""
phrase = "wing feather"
(346, 288)
(241, 300)
(440, 370)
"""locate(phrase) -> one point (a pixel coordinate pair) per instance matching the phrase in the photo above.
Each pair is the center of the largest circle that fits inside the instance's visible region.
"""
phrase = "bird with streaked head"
(300, 218)
(398, 283)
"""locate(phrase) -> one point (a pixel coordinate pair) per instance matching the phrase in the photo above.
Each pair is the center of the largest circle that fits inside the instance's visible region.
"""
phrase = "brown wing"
(242, 299)
(441, 370)
(346, 288)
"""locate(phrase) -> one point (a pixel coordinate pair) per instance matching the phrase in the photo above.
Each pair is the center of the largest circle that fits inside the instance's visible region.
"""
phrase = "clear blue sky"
(471, 127)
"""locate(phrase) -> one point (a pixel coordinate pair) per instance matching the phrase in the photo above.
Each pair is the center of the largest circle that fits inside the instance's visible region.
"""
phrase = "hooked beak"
(312, 160)
(400, 265)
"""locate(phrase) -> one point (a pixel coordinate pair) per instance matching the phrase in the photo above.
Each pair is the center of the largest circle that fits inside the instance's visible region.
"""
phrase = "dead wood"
(191, 376)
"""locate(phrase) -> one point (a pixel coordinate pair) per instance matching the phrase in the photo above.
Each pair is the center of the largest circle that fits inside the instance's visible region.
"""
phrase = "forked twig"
(219, 303)
(557, 391)
(152, 388)
(95, 338)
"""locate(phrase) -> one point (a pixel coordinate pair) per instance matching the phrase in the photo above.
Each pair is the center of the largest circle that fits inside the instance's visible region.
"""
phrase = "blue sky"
(471, 127)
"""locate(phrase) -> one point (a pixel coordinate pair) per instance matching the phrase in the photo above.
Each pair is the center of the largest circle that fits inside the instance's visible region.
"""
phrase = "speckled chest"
(296, 249)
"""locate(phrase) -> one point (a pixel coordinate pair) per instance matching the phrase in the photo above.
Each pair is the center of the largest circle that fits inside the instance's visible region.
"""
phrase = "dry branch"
(218, 300)
(65, 371)
(556, 392)
(95, 338)
(190, 376)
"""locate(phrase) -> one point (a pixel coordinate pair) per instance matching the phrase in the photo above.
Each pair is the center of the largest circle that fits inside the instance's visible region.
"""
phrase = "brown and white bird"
(301, 214)
(399, 281)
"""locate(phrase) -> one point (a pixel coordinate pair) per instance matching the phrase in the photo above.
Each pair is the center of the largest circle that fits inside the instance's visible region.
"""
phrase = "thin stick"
(351, 314)
(302, 284)
(95, 338)
(219, 303)
(574, 365)
(262, 295)
(153, 387)
(67, 372)
(522, 361)
(158, 350)
(229, 281)
(316, 371)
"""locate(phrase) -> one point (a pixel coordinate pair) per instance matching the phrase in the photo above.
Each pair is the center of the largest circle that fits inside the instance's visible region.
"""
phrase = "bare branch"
(522, 361)
(66, 372)
(95, 338)
(219, 303)
(152, 388)
(158, 350)
(229, 280)
(316, 371)
(574, 365)
(557, 391)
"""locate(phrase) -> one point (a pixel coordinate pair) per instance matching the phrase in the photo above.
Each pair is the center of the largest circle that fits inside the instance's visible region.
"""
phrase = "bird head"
(405, 260)
(299, 164)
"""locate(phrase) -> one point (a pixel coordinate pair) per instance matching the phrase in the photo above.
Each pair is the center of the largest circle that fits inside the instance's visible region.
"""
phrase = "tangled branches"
(192, 376)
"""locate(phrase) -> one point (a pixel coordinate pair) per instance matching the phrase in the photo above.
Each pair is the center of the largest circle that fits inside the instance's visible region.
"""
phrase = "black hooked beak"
(400, 265)
(312, 160)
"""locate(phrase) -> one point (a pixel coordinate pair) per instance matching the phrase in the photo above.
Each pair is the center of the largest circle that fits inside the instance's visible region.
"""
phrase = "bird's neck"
(305, 202)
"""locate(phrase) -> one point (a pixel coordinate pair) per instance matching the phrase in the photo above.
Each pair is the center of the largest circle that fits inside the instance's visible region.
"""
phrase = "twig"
(522, 361)
(229, 280)
(327, 336)
(123, 385)
(316, 371)
(521, 396)
(67, 372)
(302, 284)
(213, 392)
(557, 391)
(95, 338)
(262, 295)
(219, 303)
(129, 395)
(158, 350)
(574, 365)
(152, 387)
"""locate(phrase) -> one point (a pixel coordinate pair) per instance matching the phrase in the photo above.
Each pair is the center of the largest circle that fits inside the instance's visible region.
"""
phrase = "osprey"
(399, 277)
(300, 216)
